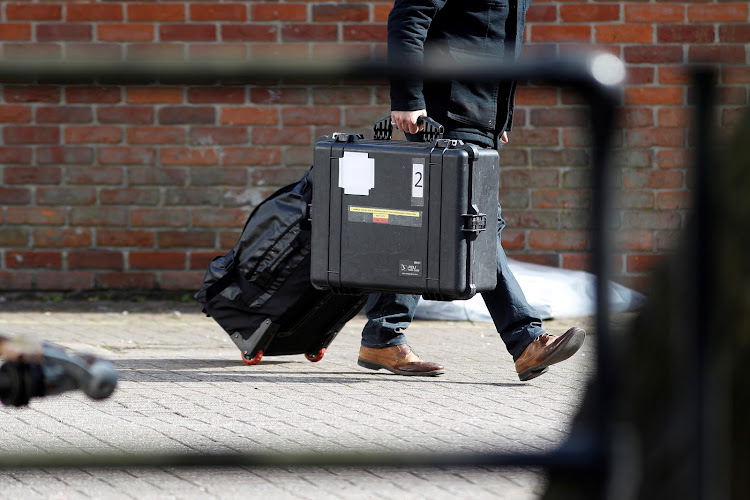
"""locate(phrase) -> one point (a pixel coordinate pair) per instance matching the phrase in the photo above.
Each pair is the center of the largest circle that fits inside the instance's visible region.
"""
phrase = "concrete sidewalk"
(184, 389)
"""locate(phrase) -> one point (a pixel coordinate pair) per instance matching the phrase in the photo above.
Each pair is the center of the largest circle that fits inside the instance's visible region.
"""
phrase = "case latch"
(344, 137)
(474, 222)
(447, 143)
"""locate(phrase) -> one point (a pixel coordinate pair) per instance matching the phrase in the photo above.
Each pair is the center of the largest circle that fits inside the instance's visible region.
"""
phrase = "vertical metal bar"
(703, 268)
(603, 107)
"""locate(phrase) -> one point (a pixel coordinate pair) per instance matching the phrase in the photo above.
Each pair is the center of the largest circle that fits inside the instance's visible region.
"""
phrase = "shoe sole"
(377, 366)
(566, 349)
(532, 373)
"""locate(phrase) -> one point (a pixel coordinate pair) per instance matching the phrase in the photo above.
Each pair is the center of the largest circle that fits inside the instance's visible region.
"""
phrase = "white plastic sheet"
(553, 292)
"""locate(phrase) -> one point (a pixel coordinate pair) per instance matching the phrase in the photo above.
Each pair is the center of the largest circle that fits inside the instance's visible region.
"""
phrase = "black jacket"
(457, 29)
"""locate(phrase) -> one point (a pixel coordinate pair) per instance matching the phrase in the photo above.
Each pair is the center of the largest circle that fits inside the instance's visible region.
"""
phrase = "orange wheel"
(317, 357)
(253, 361)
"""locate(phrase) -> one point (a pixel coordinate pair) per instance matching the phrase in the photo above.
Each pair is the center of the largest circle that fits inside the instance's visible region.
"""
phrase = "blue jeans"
(518, 324)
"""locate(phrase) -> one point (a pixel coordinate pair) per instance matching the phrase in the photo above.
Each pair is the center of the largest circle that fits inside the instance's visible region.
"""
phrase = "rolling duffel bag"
(260, 292)
(408, 217)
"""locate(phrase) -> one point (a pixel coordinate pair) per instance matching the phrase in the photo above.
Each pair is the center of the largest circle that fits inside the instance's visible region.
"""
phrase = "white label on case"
(417, 180)
(356, 173)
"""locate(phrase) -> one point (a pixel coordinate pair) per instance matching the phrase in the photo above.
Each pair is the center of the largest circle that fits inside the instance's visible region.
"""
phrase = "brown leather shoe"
(400, 359)
(547, 350)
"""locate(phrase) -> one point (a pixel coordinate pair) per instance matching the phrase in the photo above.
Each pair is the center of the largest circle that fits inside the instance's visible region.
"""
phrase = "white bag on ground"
(553, 292)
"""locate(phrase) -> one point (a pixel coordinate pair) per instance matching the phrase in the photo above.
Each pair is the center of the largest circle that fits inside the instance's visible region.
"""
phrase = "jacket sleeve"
(408, 23)
(511, 105)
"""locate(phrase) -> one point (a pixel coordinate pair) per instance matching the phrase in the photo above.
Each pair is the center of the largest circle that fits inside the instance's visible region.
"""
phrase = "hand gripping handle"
(383, 129)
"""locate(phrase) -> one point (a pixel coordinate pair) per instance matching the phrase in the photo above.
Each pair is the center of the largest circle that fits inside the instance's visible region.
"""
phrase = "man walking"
(478, 112)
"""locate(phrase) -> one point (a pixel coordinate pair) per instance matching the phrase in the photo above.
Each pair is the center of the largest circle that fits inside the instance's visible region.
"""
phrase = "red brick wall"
(138, 187)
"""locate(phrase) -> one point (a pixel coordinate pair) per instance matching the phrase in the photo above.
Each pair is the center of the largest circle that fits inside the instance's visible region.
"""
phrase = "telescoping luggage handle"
(383, 129)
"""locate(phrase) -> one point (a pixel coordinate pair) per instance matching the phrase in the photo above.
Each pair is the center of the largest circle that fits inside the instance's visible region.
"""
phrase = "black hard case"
(441, 243)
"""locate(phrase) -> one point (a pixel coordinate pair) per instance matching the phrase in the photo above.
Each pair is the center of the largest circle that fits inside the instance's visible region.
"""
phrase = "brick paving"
(183, 389)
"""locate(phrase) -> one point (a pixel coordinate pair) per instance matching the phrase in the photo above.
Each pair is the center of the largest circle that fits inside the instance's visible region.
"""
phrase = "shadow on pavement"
(159, 370)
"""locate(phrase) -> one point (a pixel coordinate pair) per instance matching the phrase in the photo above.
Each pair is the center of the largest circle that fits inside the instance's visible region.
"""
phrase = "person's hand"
(406, 121)
(504, 138)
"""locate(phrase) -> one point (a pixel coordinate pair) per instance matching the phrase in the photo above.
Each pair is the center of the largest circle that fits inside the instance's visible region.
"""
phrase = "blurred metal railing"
(596, 77)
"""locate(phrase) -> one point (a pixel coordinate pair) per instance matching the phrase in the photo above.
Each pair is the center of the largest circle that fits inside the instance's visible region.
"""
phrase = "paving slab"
(183, 389)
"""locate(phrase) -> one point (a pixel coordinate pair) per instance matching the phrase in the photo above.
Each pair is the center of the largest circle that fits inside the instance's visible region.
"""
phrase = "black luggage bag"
(260, 292)
(408, 217)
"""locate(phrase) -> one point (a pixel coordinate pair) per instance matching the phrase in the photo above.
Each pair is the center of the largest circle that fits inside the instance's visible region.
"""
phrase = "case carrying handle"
(383, 129)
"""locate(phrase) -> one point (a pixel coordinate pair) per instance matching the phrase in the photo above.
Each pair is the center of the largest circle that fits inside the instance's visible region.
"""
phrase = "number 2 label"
(417, 185)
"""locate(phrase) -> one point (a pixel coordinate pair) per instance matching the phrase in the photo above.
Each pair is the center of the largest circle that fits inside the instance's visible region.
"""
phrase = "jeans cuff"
(399, 339)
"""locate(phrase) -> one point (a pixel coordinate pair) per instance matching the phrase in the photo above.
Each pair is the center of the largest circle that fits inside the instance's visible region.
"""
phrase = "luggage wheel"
(316, 357)
(253, 361)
